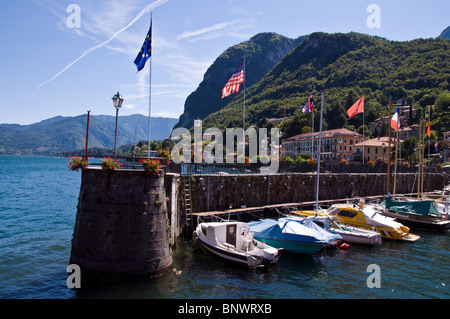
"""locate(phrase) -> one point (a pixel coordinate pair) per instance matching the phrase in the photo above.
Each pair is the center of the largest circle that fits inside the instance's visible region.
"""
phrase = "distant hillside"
(262, 52)
(345, 66)
(61, 134)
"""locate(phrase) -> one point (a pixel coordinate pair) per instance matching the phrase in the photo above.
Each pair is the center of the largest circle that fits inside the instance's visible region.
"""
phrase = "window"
(347, 213)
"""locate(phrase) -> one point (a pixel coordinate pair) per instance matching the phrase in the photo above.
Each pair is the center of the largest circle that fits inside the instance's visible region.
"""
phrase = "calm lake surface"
(38, 200)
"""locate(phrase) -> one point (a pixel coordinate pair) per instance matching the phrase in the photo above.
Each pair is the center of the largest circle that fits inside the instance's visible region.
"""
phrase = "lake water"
(38, 200)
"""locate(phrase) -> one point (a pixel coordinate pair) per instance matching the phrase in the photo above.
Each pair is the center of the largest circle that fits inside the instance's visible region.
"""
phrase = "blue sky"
(49, 68)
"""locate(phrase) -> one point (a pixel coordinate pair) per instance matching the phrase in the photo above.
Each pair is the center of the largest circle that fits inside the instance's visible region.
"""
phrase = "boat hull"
(292, 246)
(358, 219)
(357, 237)
(230, 256)
(231, 241)
(411, 222)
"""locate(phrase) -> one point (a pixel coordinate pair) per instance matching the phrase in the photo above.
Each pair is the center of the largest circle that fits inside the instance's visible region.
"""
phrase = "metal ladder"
(187, 197)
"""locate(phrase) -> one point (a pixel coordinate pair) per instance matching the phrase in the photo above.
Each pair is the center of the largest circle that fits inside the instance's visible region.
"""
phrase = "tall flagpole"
(429, 136)
(150, 91)
(312, 125)
(243, 116)
(318, 154)
(364, 136)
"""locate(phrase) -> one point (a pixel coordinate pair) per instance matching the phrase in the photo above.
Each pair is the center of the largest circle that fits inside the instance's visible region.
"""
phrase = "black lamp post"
(117, 101)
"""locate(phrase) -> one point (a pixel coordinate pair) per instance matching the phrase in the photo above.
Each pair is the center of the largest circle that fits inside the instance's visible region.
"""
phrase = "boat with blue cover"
(301, 236)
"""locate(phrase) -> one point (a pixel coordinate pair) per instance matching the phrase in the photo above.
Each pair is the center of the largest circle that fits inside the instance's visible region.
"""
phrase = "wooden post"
(87, 136)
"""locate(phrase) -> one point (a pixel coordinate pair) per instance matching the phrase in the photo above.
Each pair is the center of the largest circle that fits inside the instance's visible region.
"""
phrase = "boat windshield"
(371, 212)
(333, 210)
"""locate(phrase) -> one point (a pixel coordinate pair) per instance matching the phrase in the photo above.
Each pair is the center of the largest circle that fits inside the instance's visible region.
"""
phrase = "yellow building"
(336, 144)
(375, 149)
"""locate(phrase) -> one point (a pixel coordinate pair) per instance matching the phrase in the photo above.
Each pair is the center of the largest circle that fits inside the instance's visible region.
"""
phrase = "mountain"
(262, 52)
(61, 134)
(446, 33)
(345, 66)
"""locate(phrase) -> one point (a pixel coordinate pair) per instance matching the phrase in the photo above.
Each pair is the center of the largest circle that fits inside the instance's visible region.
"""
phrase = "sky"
(65, 57)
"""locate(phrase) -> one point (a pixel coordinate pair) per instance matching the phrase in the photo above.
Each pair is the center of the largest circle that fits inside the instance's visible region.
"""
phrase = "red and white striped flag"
(234, 82)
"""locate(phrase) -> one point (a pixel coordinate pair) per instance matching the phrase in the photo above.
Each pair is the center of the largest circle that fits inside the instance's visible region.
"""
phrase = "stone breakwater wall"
(222, 192)
(128, 221)
(122, 227)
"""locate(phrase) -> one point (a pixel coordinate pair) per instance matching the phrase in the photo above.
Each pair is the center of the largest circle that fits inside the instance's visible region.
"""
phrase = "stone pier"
(122, 228)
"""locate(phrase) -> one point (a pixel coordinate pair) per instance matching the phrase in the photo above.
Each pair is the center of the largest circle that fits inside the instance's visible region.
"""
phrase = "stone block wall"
(122, 227)
(221, 192)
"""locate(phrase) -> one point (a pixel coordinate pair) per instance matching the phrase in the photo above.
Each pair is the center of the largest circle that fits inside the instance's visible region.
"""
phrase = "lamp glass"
(117, 100)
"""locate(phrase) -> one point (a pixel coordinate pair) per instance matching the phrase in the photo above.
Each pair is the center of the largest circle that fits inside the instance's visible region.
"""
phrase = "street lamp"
(117, 101)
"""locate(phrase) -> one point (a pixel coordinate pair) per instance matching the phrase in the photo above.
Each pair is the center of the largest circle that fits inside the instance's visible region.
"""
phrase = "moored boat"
(232, 241)
(366, 217)
(293, 235)
(419, 214)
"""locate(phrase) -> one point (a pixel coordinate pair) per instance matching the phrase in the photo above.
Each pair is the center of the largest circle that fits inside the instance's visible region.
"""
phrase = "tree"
(443, 102)
(306, 129)
(409, 147)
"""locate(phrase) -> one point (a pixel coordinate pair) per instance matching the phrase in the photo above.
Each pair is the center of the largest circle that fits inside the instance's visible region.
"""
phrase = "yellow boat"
(366, 217)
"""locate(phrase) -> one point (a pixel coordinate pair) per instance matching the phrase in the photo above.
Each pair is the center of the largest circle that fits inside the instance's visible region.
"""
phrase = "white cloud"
(204, 30)
(87, 52)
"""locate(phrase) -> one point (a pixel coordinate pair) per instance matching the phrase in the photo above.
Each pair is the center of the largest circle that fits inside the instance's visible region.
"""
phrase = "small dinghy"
(234, 242)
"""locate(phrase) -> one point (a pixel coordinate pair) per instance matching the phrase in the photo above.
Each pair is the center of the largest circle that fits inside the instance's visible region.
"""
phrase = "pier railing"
(131, 162)
(128, 162)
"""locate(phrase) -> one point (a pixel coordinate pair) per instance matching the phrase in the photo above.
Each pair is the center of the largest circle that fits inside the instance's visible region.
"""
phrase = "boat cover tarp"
(289, 229)
(415, 207)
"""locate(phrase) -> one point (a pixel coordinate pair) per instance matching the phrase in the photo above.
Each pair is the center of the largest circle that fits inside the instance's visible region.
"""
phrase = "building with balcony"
(336, 144)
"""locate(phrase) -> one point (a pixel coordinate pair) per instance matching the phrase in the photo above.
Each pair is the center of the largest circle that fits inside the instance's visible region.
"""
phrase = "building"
(446, 136)
(376, 125)
(374, 149)
(336, 144)
(410, 131)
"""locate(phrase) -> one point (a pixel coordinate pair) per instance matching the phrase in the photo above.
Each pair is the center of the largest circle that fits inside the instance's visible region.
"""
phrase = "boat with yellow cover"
(366, 217)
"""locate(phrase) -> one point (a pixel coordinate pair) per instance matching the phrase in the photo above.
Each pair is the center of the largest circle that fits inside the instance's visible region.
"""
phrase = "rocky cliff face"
(262, 53)
(446, 33)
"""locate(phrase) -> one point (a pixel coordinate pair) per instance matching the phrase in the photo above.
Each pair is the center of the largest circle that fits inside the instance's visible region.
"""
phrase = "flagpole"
(243, 117)
(364, 137)
(312, 125)
(150, 92)
(397, 145)
(389, 147)
(318, 155)
(429, 135)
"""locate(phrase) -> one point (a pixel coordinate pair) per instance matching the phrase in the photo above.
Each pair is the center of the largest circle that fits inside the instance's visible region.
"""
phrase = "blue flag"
(146, 51)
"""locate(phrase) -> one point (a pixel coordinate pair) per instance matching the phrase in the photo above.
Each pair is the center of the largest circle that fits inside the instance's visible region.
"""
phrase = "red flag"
(428, 129)
(356, 108)
(234, 82)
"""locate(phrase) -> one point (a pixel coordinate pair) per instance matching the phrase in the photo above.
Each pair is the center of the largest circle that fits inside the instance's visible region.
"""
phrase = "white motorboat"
(357, 235)
(233, 241)
(349, 234)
